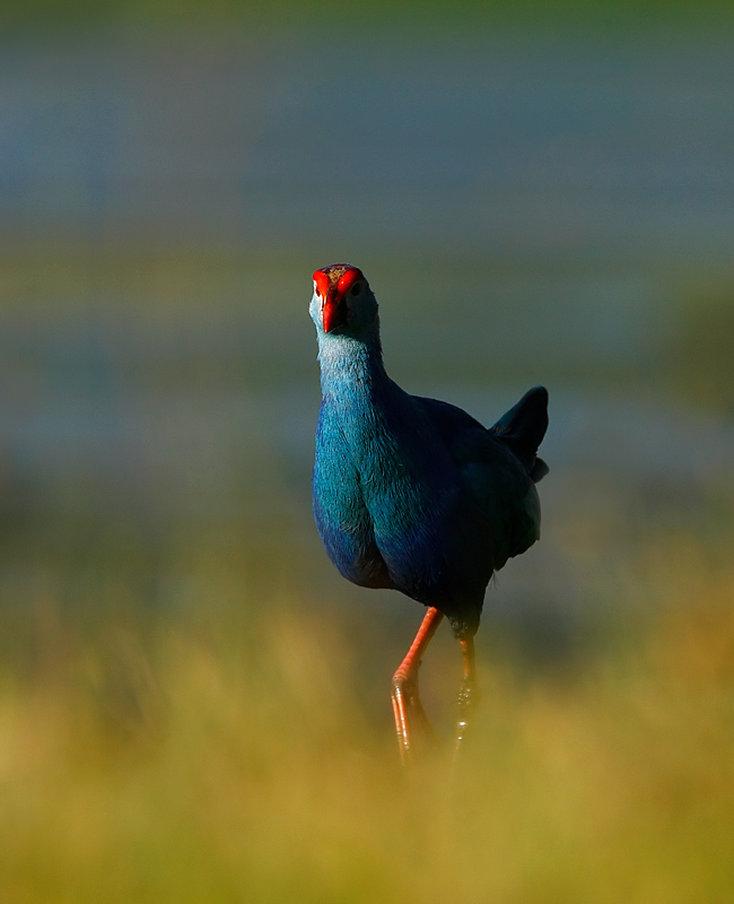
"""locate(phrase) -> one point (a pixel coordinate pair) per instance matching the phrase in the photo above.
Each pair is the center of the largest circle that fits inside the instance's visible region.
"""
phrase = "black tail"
(523, 427)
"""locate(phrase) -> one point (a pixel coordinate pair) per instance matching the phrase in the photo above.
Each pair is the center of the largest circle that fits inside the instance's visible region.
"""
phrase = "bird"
(412, 493)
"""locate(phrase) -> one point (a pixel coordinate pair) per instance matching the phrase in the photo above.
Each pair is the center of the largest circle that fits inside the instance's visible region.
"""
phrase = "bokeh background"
(193, 705)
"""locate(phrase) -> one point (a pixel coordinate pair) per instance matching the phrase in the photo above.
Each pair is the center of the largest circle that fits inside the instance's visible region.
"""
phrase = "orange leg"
(405, 700)
(467, 691)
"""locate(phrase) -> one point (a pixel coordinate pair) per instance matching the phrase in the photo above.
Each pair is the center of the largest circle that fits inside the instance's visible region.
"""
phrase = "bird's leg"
(405, 700)
(467, 692)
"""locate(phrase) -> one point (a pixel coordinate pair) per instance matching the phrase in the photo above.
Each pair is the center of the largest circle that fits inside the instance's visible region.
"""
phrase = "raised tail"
(523, 427)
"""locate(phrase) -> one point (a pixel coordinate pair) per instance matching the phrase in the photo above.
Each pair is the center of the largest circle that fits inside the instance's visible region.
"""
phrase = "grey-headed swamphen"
(411, 493)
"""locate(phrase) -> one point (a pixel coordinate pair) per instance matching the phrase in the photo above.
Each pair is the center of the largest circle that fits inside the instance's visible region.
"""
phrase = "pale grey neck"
(347, 363)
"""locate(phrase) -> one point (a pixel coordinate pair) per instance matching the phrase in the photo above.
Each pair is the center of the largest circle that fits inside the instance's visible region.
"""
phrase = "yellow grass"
(188, 764)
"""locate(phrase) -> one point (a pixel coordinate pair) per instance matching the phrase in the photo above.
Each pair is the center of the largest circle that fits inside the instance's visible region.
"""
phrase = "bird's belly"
(352, 549)
(433, 543)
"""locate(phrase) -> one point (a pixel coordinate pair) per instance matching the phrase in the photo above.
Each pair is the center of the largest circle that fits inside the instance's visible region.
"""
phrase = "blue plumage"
(412, 493)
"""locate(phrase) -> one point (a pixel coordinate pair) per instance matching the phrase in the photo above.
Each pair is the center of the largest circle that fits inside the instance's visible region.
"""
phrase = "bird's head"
(343, 303)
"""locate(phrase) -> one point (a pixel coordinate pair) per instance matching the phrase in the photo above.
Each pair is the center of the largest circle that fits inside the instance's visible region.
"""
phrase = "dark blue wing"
(496, 479)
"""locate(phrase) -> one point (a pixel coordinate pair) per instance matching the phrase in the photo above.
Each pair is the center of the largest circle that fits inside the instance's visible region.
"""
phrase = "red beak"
(333, 310)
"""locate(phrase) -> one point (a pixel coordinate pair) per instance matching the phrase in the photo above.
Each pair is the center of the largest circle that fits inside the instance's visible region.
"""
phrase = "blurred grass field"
(208, 756)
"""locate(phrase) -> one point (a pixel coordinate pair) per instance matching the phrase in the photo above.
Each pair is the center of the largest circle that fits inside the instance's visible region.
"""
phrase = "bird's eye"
(356, 289)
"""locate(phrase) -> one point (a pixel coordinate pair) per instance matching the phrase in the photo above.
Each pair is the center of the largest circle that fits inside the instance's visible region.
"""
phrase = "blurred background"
(193, 705)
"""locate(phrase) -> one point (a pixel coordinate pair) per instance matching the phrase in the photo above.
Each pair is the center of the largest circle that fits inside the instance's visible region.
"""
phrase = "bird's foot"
(410, 717)
(406, 703)
(468, 698)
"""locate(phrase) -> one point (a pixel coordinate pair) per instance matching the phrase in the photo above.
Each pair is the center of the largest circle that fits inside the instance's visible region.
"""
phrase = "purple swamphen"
(411, 493)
